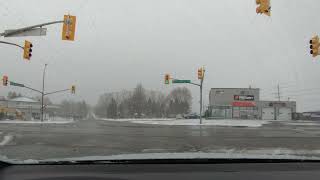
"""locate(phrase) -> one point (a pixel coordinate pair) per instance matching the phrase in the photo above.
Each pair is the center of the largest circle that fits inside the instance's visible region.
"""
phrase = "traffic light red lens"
(31, 45)
(310, 41)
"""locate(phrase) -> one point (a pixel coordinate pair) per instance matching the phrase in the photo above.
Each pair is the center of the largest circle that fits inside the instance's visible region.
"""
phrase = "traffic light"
(167, 79)
(200, 73)
(69, 28)
(263, 7)
(73, 89)
(5, 80)
(27, 50)
(314, 46)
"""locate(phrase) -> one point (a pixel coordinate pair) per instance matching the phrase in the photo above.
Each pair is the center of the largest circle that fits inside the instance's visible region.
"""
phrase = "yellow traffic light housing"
(314, 46)
(167, 79)
(263, 7)
(5, 80)
(73, 89)
(200, 73)
(69, 28)
(27, 50)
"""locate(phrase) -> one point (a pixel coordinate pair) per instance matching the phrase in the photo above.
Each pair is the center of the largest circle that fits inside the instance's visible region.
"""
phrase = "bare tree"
(138, 101)
(112, 109)
(179, 101)
(13, 94)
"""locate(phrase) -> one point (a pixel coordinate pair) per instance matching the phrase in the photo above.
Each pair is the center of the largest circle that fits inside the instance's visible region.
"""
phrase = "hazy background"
(120, 43)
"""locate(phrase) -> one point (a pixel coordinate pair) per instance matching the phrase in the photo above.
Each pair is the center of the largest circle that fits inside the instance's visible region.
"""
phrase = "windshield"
(157, 79)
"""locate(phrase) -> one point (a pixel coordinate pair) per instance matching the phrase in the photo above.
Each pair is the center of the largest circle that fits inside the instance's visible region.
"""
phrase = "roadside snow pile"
(192, 122)
(230, 154)
(50, 121)
(195, 122)
(303, 123)
(6, 140)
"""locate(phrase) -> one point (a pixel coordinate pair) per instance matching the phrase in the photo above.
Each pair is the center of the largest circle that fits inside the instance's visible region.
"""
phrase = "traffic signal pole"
(201, 88)
(43, 94)
(178, 81)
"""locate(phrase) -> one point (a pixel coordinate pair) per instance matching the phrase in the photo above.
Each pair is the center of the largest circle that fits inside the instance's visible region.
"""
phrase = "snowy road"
(102, 137)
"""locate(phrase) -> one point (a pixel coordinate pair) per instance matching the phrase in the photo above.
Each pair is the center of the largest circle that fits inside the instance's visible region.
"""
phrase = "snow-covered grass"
(195, 122)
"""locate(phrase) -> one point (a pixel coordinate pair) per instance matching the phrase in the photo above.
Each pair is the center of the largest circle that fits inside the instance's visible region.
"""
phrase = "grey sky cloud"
(120, 43)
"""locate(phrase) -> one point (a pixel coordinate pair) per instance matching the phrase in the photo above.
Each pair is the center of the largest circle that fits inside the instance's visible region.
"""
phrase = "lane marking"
(6, 140)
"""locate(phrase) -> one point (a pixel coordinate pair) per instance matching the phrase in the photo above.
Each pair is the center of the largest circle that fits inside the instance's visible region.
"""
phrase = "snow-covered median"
(195, 122)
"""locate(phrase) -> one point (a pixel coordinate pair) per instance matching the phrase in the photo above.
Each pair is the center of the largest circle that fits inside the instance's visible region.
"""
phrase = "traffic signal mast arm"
(27, 87)
(9, 43)
(195, 84)
(25, 29)
(54, 92)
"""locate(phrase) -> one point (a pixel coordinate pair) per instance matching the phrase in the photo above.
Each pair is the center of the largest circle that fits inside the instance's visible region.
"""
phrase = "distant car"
(192, 116)
(179, 116)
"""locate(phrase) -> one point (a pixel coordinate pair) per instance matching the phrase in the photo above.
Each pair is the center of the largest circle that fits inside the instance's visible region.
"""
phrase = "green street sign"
(181, 81)
(16, 84)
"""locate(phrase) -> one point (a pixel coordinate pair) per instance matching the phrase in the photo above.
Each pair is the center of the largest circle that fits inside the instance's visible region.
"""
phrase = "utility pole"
(42, 93)
(278, 92)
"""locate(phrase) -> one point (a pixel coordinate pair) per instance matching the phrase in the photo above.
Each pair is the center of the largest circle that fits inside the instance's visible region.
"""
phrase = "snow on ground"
(303, 123)
(193, 122)
(215, 154)
(244, 123)
(6, 140)
(56, 120)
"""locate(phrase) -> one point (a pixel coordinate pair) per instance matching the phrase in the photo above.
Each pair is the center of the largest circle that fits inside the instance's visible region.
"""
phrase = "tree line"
(144, 103)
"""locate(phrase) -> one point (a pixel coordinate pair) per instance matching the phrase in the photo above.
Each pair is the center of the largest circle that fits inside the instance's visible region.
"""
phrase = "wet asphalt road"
(100, 138)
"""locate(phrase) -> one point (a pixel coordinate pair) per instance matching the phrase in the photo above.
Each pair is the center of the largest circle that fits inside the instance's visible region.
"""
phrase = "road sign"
(16, 84)
(181, 81)
(30, 32)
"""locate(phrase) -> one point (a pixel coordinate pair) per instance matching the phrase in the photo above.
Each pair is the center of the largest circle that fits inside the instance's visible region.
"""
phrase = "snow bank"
(194, 122)
(50, 121)
(216, 154)
(6, 140)
(303, 123)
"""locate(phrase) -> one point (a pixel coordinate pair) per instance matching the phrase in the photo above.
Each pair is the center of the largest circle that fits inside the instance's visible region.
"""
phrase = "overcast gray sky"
(120, 43)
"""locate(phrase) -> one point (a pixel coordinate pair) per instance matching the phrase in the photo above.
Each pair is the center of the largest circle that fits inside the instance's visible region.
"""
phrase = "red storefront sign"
(243, 104)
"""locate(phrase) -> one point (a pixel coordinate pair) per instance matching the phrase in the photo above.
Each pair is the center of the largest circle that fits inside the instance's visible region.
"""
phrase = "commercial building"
(245, 103)
(29, 107)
